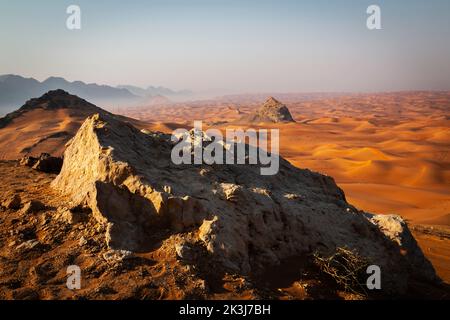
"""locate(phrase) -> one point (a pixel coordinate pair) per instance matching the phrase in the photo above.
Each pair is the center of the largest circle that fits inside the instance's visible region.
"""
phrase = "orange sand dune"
(39, 130)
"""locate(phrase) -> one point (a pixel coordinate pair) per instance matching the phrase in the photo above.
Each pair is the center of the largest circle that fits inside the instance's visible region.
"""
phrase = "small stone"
(71, 216)
(114, 256)
(28, 161)
(184, 251)
(12, 202)
(99, 228)
(200, 284)
(27, 245)
(292, 196)
(48, 164)
(82, 241)
(32, 207)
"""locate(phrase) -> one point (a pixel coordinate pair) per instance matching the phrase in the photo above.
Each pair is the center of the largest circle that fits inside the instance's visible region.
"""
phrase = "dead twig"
(346, 267)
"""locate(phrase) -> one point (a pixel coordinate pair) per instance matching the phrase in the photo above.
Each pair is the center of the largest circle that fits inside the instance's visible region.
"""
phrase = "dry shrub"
(347, 268)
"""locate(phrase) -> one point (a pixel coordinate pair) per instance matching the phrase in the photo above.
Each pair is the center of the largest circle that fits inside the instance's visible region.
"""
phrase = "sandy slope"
(39, 131)
(42, 130)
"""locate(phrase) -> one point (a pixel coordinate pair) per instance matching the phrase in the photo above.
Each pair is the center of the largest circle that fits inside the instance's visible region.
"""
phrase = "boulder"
(45, 163)
(48, 164)
(28, 161)
(72, 215)
(13, 202)
(32, 206)
(246, 221)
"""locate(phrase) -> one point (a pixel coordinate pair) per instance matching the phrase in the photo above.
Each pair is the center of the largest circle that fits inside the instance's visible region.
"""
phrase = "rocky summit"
(271, 111)
(242, 220)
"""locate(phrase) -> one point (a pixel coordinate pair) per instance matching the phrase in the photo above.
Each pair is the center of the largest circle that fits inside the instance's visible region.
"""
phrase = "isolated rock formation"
(13, 201)
(32, 206)
(246, 221)
(45, 163)
(271, 111)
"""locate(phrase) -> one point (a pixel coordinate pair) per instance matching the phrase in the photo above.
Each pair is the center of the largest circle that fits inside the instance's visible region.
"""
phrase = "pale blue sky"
(232, 46)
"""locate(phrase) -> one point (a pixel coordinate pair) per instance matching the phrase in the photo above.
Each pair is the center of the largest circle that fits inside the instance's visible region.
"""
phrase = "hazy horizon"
(225, 47)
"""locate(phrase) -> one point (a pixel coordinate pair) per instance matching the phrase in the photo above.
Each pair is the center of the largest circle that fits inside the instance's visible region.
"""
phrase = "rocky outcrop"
(45, 163)
(32, 206)
(13, 201)
(245, 221)
(271, 111)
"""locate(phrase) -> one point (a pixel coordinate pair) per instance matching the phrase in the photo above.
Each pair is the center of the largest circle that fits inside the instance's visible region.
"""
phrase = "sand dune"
(38, 131)
(37, 128)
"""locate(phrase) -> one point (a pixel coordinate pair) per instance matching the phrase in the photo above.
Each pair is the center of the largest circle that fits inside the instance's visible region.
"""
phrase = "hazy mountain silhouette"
(15, 90)
(152, 91)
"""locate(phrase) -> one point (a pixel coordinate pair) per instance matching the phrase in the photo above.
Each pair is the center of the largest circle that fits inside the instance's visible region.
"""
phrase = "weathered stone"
(82, 241)
(32, 206)
(45, 163)
(72, 215)
(48, 164)
(28, 161)
(115, 256)
(12, 202)
(245, 220)
(27, 245)
(271, 111)
(185, 252)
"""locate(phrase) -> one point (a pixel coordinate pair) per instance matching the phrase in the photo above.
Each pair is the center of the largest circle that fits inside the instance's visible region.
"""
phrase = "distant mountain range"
(155, 91)
(15, 90)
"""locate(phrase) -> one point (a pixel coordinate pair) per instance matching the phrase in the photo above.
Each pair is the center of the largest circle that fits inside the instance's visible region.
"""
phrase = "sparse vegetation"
(346, 267)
